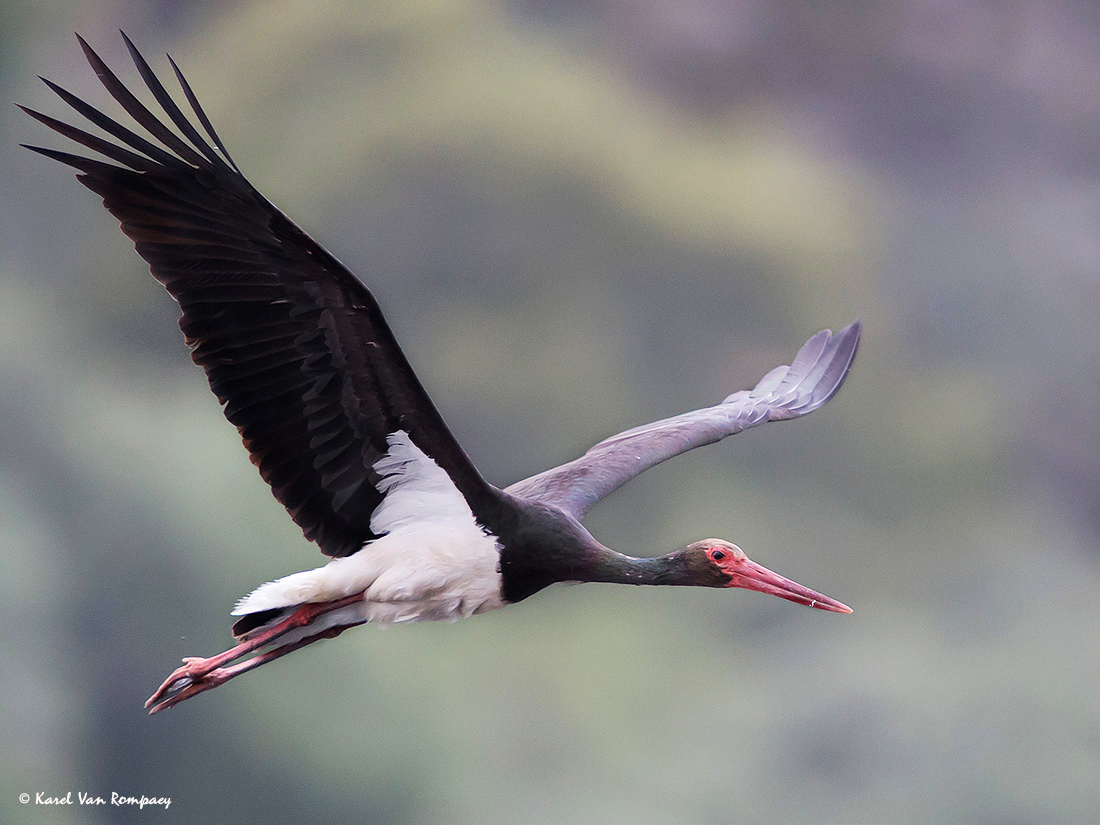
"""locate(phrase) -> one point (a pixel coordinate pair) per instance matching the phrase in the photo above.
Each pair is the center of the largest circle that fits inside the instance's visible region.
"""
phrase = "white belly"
(433, 562)
(424, 572)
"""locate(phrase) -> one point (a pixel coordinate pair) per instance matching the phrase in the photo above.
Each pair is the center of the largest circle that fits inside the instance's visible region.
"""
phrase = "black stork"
(300, 356)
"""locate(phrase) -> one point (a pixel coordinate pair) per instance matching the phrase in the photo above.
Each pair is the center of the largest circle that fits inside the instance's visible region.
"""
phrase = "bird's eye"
(718, 555)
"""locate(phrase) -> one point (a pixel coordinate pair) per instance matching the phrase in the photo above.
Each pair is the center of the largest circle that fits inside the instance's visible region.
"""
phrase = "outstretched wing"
(294, 346)
(786, 392)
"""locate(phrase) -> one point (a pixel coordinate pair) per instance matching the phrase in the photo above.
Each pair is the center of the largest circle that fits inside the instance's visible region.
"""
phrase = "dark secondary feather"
(294, 346)
(786, 392)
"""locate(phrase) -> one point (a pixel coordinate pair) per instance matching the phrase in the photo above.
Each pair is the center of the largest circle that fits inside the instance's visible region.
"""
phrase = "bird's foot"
(181, 685)
(185, 683)
(193, 668)
(197, 674)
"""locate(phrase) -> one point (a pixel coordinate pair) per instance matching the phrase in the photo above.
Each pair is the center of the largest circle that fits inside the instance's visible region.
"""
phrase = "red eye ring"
(717, 555)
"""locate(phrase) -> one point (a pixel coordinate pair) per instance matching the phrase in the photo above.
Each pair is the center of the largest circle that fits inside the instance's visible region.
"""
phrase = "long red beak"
(753, 576)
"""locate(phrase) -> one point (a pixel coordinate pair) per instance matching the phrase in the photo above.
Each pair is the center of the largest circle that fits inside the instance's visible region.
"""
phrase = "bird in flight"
(305, 366)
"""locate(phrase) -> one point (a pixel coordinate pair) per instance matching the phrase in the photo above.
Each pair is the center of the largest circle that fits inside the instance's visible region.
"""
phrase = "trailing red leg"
(194, 669)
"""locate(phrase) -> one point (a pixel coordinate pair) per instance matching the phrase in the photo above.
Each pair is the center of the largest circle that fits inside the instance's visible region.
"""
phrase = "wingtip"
(841, 359)
(41, 118)
(58, 90)
(854, 330)
(821, 366)
(130, 47)
(94, 60)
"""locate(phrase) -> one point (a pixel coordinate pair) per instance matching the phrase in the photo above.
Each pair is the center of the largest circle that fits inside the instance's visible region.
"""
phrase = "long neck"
(606, 565)
(541, 544)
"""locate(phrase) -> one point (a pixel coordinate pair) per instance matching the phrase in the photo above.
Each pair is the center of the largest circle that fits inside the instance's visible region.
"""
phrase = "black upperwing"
(786, 392)
(294, 346)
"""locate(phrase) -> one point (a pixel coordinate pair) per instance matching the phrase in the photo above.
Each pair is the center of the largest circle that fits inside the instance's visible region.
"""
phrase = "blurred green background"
(582, 215)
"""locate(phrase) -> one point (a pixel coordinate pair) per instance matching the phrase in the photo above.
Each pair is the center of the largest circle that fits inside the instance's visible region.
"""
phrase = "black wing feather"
(199, 113)
(294, 346)
(166, 102)
(136, 109)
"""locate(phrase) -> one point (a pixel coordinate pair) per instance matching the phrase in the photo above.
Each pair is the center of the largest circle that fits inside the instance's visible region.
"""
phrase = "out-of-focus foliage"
(580, 217)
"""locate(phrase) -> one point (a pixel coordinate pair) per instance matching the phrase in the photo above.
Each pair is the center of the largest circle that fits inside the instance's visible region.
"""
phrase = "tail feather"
(252, 624)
